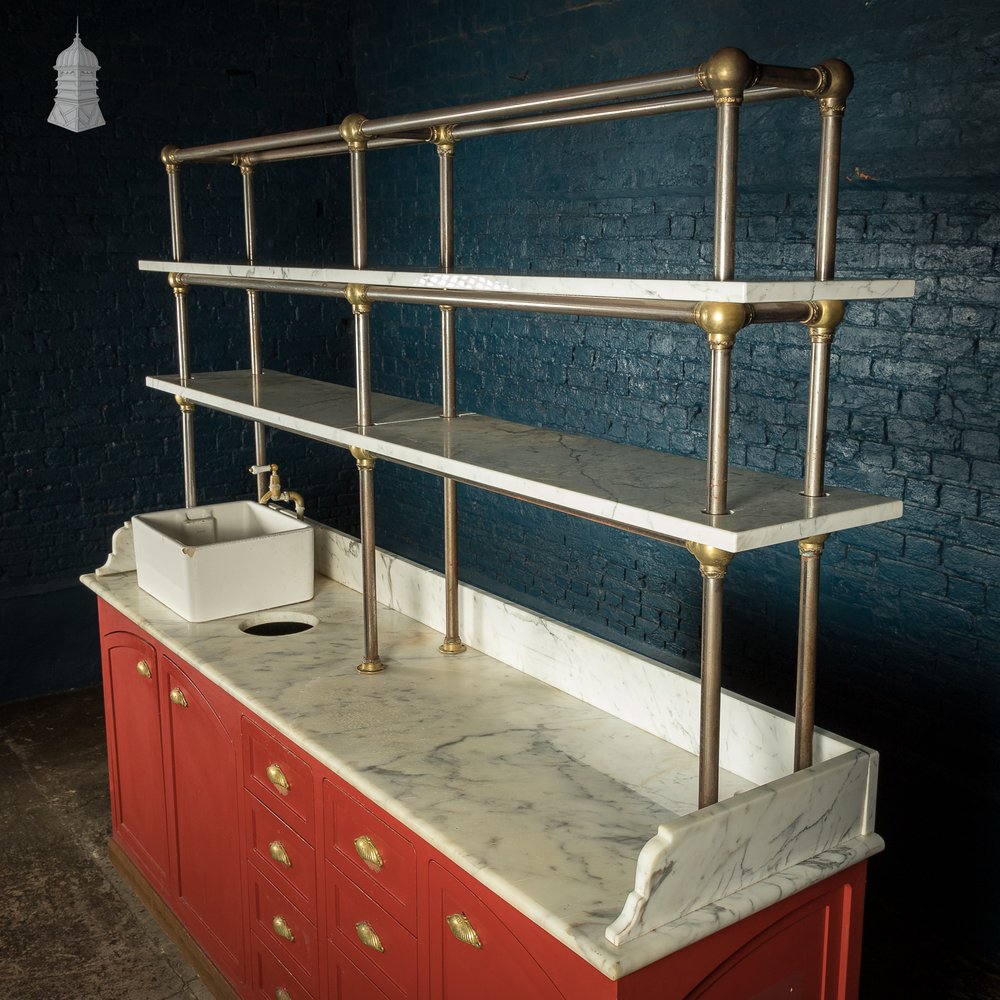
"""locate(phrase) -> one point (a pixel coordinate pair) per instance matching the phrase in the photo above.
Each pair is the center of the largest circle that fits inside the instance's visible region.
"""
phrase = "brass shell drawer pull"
(458, 924)
(280, 927)
(142, 669)
(277, 778)
(368, 853)
(282, 994)
(177, 697)
(277, 851)
(368, 937)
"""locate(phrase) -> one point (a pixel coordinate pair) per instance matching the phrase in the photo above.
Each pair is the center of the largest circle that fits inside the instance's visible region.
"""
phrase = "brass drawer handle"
(280, 927)
(177, 697)
(368, 853)
(282, 994)
(277, 778)
(458, 924)
(277, 851)
(142, 669)
(368, 937)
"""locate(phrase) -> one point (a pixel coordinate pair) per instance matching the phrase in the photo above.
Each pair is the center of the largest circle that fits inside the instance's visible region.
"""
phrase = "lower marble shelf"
(634, 488)
(558, 771)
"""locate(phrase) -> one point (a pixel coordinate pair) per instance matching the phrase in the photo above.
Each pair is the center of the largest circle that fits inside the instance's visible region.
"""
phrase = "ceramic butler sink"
(224, 559)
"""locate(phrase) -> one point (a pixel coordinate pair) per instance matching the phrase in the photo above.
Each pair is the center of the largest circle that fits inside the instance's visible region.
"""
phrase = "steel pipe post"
(810, 551)
(713, 564)
(826, 315)
(445, 143)
(372, 662)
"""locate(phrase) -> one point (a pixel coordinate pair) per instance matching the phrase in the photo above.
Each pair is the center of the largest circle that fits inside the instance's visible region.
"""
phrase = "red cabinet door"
(138, 796)
(202, 765)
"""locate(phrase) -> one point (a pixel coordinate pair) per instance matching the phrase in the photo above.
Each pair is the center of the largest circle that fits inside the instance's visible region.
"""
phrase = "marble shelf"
(643, 289)
(633, 488)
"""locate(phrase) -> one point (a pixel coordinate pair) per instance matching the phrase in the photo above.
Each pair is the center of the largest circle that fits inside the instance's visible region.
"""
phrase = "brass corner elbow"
(167, 155)
(727, 73)
(836, 82)
(351, 131)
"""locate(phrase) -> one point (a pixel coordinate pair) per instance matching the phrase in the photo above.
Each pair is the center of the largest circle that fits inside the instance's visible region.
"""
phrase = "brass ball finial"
(351, 131)
(727, 74)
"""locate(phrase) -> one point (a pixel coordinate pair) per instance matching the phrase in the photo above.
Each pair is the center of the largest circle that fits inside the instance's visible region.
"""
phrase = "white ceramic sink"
(224, 559)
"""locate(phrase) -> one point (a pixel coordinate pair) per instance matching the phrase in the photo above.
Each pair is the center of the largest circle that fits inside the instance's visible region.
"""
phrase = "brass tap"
(275, 492)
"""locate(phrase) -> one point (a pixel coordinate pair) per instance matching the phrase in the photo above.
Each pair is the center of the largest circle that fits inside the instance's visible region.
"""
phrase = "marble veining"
(548, 800)
(632, 487)
(665, 289)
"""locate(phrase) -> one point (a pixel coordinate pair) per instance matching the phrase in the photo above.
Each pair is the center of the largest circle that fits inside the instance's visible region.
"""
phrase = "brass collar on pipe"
(176, 281)
(357, 295)
(811, 547)
(721, 321)
(365, 459)
(825, 315)
(244, 162)
(351, 132)
(185, 404)
(444, 138)
(727, 73)
(713, 562)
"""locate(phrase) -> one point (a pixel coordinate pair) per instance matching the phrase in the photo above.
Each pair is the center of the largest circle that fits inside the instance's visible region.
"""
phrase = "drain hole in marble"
(277, 624)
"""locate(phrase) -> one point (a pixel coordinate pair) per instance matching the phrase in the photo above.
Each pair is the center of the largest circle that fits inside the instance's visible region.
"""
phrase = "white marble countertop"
(636, 488)
(617, 287)
(544, 798)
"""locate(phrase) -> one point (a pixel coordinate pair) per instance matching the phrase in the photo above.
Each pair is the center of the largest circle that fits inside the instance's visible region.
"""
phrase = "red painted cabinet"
(299, 888)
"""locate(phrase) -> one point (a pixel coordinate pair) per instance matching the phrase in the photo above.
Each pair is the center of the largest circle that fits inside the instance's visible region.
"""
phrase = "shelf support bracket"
(713, 563)
(721, 321)
(810, 552)
(825, 316)
(372, 663)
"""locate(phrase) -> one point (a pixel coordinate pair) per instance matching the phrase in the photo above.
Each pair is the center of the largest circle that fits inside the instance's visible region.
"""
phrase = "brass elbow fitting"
(727, 73)
(351, 132)
(721, 321)
(836, 82)
(167, 158)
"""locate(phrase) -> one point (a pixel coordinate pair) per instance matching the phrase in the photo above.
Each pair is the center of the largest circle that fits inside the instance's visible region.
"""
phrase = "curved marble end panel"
(707, 855)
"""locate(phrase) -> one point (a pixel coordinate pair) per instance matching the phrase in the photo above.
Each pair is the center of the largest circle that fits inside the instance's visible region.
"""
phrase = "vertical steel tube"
(717, 472)
(714, 564)
(253, 313)
(446, 225)
(827, 196)
(351, 132)
(819, 382)
(810, 550)
(726, 156)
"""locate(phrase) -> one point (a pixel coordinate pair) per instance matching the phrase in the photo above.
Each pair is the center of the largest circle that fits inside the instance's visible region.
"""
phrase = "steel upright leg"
(713, 563)
(810, 550)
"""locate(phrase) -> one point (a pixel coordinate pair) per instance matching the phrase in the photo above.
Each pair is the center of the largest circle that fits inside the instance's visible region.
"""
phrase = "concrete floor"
(71, 930)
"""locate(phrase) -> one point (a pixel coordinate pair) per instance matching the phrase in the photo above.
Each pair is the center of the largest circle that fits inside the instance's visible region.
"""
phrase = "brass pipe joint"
(185, 404)
(245, 162)
(167, 155)
(444, 138)
(812, 547)
(721, 321)
(825, 315)
(357, 295)
(365, 459)
(176, 281)
(713, 562)
(351, 131)
(727, 73)
(836, 82)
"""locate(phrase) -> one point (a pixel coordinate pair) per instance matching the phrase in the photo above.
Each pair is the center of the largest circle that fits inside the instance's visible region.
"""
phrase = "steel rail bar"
(288, 153)
(800, 79)
(550, 100)
(445, 143)
(811, 551)
(253, 313)
(335, 289)
(614, 112)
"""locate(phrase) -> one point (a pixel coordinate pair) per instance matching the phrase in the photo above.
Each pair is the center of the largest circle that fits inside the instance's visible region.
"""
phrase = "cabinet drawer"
(279, 778)
(271, 980)
(285, 928)
(347, 982)
(372, 854)
(380, 946)
(283, 855)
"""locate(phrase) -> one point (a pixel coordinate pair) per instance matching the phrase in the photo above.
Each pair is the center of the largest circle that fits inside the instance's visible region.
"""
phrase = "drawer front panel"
(286, 929)
(279, 778)
(287, 859)
(271, 980)
(372, 854)
(379, 945)
(347, 982)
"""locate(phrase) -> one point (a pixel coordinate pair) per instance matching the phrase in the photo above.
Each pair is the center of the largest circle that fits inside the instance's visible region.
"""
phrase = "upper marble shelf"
(633, 488)
(638, 289)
